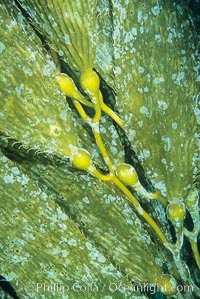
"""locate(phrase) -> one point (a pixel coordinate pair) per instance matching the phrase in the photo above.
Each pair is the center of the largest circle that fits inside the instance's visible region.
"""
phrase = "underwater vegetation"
(99, 149)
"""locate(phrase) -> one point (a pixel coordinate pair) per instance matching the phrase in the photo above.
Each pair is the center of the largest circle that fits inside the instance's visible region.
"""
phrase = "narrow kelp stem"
(103, 150)
(140, 210)
(110, 112)
(81, 111)
(97, 109)
(156, 196)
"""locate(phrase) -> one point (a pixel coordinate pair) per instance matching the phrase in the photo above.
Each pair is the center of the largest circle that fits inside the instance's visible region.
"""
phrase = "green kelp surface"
(33, 219)
(64, 233)
(43, 245)
(29, 79)
(157, 86)
(26, 73)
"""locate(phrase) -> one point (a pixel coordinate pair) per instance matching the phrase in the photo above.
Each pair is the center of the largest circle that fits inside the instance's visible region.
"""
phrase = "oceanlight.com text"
(109, 287)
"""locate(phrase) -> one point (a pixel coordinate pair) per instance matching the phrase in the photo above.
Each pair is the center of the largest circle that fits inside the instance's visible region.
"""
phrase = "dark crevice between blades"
(19, 153)
(111, 14)
(188, 222)
(7, 288)
(188, 256)
(194, 6)
(26, 15)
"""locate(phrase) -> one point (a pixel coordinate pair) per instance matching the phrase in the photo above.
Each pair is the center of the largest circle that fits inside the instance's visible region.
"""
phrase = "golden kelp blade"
(156, 85)
(33, 110)
(69, 26)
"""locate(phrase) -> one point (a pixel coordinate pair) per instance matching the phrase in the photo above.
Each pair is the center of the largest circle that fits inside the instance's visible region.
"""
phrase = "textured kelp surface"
(65, 233)
(173, 134)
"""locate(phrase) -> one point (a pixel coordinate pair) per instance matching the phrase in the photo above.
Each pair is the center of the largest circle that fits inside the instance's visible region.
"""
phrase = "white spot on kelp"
(167, 143)
(156, 10)
(157, 38)
(174, 125)
(158, 80)
(140, 69)
(47, 70)
(8, 179)
(162, 105)
(161, 186)
(144, 110)
(19, 88)
(117, 70)
(61, 53)
(86, 200)
(139, 16)
(2, 47)
(178, 78)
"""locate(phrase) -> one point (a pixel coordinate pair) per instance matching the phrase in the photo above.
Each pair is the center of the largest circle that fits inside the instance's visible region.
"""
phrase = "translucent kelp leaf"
(69, 26)
(32, 108)
(156, 85)
(42, 251)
